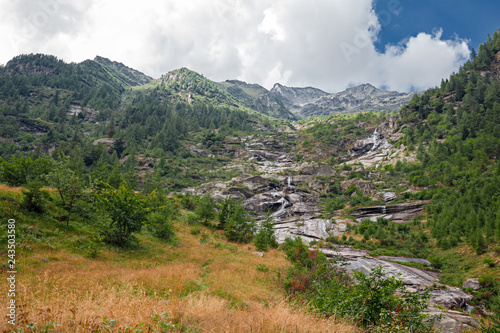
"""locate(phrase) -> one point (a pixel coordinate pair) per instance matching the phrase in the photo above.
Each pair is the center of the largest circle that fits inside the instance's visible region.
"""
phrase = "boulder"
(472, 284)
(450, 297)
(454, 321)
(104, 141)
(389, 196)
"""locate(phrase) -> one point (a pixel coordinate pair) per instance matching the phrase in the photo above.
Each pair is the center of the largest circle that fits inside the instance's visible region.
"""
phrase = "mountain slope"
(364, 97)
(257, 98)
(295, 98)
(128, 76)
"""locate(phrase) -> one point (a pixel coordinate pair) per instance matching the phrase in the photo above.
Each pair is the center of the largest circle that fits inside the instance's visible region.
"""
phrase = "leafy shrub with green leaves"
(125, 211)
(226, 208)
(22, 170)
(374, 301)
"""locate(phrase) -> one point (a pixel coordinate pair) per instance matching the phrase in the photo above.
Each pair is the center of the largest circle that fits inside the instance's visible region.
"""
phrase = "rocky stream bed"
(291, 191)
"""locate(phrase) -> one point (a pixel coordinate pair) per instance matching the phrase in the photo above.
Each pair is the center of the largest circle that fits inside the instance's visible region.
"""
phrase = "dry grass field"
(200, 284)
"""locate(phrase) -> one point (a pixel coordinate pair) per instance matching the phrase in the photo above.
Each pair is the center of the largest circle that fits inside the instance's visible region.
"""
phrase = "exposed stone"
(318, 170)
(301, 179)
(450, 297)
(472, 284)
(345, 173)
(104, 141)
(197, 151)
(239, 190)
(258, 254)
(397, 213)
(389, 196)
(453, 321)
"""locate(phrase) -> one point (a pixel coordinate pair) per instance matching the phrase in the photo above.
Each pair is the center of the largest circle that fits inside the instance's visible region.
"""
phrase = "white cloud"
(324, 43)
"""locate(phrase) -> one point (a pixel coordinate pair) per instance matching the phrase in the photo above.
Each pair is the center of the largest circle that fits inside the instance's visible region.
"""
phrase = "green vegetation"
(370, 301)
(265, 238)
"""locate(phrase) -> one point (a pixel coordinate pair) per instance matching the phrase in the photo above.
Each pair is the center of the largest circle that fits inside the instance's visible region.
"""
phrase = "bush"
(226, 209)
(160, 224)
(239, 227)
(126, 213)
(372, 301)
(34, 198)
(489, 261)
(206, 209)
(334, 204)
(265, 239)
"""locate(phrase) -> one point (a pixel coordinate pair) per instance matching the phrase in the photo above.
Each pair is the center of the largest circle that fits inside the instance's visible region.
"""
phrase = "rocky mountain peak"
(294, 96)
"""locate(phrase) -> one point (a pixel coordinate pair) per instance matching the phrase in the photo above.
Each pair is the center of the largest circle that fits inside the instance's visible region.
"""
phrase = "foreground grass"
(199, 284)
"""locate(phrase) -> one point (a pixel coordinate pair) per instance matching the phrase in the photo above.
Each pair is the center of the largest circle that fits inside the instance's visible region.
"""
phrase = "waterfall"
(289, 181)
(376, 138)
(282, 211)
(384, 210)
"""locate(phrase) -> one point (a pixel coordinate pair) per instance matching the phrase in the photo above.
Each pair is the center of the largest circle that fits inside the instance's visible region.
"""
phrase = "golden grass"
(201, 287)
(6, 188)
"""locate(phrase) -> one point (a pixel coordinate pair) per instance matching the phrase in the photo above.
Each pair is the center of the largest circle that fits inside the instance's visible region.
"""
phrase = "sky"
(402, 45)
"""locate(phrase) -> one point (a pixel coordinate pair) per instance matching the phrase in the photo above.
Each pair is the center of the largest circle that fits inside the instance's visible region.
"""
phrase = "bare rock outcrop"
(397, 212)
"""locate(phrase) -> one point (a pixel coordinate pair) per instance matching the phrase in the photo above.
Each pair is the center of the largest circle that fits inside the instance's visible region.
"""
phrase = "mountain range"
(290, 102)
(187, 86)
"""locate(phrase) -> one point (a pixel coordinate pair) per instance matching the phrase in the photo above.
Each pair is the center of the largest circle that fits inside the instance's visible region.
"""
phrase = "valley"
(166, 204)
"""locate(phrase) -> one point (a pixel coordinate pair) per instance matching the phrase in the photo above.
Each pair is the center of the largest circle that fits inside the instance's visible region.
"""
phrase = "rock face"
(306, 102)
(360, 98)
(291, 193)
(365, 186)
(378, 148)
(89, 114)
(257, 98)
(397, 213)
(295, 98)
(318, 170)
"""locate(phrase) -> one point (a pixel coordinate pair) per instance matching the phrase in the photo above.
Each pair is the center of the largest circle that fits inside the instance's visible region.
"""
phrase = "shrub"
(205, 208)
(239, 227)
(34, 198)
(372, 301)
(126, 212)
(226, 209)
(489, 261)
(160, 224)
(265, 238)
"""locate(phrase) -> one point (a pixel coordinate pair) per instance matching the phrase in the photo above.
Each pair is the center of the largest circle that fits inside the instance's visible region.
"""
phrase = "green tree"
(68, 186)
(126, 211)
(239, 227)
(34, 198)
(20, 171)
(206, 208)
(226, 208)
(265, 237)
